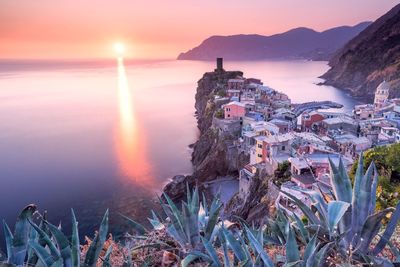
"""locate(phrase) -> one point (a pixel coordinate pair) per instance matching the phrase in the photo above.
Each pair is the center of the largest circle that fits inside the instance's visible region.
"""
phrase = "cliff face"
(369, 58)
(213, 154)
(297, 43)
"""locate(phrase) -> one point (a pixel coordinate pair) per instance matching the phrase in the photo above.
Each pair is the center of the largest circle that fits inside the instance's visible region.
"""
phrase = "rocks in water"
(176, 188)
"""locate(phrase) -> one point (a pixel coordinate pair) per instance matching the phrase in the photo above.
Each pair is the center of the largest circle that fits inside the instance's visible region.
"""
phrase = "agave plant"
(46, 245)
(348, 223)
(189, 227)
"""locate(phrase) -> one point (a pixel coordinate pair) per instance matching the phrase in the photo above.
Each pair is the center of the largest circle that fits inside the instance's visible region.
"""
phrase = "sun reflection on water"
(131, 148)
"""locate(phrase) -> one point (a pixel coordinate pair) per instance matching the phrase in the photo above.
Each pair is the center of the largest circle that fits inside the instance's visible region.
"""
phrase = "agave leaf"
(291, 264)
(58, 263)
(371, 228)
(318, 257)
(194, 255)
(106, 259)
(202, 215)
(373, 190)
(224, 248)
(211, 252)
(234, 244)
(204, 201)
(21, 234)
(390, 227)
(47, 241)
(292, 250)
(191, 225)
(189, 259)
(135, 225)
(259, 248)
(246, 249)
(188, 194)
(44, 256)
(301, 227)
(97, 244)
(360, 197)
(340, 181)
(75, 248)
(336, 210)
(173, 213)
(9, 240)
(310, 248)
(395, 251)
(171, 230)
(306, 210)
(63, 244)
(194, 204)
(155, 222)
(212, 220)
(33, 236)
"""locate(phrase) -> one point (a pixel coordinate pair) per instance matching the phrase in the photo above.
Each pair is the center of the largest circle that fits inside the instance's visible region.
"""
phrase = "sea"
(109, 134)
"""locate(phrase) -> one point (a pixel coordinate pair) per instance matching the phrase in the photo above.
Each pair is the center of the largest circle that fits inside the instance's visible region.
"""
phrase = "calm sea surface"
(97, 135)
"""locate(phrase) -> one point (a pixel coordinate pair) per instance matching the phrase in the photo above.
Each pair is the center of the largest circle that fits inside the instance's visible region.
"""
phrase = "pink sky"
(159, 28)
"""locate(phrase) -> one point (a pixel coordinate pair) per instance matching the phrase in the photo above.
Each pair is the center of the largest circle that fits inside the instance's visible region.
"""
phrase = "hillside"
(369, 58)
(297, 43)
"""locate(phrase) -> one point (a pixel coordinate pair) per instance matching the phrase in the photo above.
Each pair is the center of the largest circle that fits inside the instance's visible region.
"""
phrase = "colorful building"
(234, 110)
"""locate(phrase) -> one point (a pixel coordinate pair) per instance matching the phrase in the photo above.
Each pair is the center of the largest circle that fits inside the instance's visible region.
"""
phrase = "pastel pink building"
(234, 110)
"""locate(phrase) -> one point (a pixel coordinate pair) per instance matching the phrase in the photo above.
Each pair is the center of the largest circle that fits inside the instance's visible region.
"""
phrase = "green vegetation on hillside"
(387, 161)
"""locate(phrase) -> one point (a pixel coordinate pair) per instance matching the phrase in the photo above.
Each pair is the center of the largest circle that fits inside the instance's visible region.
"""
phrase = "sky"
(72, 29)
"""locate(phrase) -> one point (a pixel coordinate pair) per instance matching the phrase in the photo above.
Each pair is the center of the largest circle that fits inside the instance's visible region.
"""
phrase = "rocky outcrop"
(259, 204)
(214, 154)
(369, 58)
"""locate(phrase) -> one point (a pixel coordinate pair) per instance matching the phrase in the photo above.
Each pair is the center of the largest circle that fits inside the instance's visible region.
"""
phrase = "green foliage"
(219, 113)
(350, 222)
(46, 245)
(387, 162)
(282, 173)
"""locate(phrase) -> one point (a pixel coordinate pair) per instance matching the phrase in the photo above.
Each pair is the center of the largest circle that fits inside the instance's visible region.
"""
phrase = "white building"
(381, 94)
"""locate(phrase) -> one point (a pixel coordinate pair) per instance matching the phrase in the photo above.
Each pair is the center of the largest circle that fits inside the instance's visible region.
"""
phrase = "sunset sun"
(119, 48)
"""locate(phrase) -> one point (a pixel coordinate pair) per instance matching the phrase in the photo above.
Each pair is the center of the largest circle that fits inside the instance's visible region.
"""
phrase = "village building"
(234, 110)
(381, 94)
(309, 120)
(236, 84)
(284, 126)
(342, 124)
(364, 112)
(350, 145)
(387, 135)
(233, 94)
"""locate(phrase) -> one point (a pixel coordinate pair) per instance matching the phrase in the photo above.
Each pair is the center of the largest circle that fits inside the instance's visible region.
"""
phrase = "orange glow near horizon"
(130, 140)
(160, 29)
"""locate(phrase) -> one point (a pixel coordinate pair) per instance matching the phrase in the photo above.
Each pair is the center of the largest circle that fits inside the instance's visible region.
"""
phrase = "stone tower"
(381, 94)
(219, 64)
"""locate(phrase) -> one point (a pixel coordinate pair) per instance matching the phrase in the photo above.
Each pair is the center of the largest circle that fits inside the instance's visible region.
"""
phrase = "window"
(228, 115)
(283, 147)
(259, 155)
(259, 145)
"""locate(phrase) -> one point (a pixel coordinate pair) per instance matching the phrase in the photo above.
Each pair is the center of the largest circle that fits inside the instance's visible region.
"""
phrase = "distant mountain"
(302, 43)
(369, 58)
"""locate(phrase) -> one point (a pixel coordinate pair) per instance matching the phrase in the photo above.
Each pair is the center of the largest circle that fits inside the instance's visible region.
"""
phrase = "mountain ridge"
(369, 58)
(301, 43)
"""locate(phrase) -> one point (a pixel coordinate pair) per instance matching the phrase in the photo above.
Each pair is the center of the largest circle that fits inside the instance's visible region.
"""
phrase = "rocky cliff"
(369, 58)
(214, 153)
